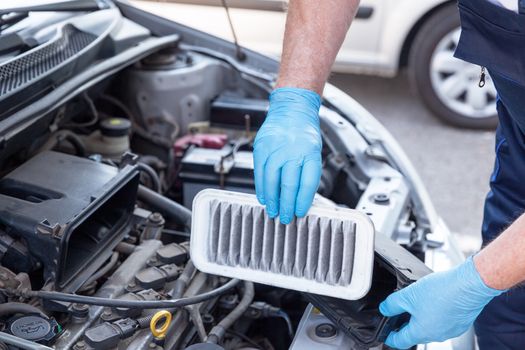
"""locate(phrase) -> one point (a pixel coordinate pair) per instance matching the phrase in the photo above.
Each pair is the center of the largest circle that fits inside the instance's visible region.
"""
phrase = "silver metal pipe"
(22, 343)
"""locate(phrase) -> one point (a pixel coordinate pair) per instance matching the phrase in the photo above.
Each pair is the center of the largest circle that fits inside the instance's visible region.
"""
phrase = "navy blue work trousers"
(494, 37)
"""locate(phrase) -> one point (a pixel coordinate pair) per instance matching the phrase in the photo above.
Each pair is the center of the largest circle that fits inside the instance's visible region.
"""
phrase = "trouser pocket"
(492, 37)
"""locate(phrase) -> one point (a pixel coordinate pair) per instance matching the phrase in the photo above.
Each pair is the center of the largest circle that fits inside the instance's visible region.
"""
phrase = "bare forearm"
(315, 31)
(502, 263)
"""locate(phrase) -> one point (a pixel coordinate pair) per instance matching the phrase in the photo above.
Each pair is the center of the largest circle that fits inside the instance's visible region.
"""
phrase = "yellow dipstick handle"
(165, 318)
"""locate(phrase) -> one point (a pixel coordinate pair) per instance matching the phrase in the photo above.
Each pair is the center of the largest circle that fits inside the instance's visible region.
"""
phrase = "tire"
(448, 86)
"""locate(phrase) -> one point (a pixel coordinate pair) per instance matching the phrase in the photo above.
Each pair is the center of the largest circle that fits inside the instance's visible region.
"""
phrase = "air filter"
(329, 252)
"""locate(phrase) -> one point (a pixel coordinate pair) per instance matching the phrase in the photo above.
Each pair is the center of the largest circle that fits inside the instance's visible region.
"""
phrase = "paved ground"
(455, 164)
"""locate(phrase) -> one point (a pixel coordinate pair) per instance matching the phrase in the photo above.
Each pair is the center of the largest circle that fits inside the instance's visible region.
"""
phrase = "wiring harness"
(138, 304)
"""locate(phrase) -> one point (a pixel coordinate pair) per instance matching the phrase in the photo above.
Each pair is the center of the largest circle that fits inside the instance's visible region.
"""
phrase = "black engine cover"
(70, 211)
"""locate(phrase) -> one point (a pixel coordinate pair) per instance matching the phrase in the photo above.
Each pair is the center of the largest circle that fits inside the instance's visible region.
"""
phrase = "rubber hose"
(12, 308)
(125, 248)
(21, 343)
(77, 143)
(166, 206)
(217, 332)
(102, 271)
(152, 174)
(137, 304)
(182, 282)
(65, 135)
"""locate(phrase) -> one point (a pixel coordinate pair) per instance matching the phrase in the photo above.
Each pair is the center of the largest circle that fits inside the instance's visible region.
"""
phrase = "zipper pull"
(482, 78)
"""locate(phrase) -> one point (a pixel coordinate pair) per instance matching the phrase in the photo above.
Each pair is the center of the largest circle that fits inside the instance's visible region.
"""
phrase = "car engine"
(94, 210)
(96, 191)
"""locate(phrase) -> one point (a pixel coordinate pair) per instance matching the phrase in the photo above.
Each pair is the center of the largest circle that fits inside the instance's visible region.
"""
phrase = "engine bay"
(95, 202)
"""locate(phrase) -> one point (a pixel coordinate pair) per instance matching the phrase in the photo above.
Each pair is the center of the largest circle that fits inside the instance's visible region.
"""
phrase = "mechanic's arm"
(444, 305)
(315, 31)
(287, 149)
(502, 263)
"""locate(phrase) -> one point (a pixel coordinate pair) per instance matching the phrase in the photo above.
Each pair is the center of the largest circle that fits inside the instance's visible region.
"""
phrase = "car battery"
(215, 168)
(238, 113)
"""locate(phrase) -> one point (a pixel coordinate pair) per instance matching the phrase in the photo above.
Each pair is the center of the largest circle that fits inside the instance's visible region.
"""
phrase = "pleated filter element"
(329, 252)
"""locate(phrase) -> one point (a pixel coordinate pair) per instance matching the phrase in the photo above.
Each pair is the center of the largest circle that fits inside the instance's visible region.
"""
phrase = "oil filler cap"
(34, 327)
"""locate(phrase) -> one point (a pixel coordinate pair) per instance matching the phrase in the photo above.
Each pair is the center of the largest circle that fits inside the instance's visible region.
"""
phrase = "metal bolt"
(325, 330)
(80, 307)
(80, 345)
(107, 315)
(208, 318)
(381, 198)
(79, 312)
(156, 218)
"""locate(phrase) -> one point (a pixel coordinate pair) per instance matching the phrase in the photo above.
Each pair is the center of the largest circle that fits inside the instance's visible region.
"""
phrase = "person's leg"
(501, 325)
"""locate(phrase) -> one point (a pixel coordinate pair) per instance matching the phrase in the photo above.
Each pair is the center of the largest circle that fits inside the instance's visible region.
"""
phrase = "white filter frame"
(361, 279)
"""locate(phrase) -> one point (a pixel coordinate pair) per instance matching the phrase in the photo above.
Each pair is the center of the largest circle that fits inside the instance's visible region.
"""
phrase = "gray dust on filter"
(315, 248)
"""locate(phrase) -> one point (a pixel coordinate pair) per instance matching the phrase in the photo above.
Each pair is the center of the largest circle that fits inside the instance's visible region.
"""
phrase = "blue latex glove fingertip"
(285, 220)
(382, 309)
(272, 212)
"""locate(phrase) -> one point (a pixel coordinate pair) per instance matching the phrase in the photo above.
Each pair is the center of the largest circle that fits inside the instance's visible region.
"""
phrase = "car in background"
(387, 36)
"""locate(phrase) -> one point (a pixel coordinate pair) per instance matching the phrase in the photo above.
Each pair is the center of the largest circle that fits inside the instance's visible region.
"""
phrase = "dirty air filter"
(329, 252)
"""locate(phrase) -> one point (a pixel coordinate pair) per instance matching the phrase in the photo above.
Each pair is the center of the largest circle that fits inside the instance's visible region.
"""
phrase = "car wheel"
(449, 86)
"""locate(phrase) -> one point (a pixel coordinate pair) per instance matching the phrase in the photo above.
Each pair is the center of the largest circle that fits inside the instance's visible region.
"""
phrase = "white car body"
(388, 29)
(386, 36)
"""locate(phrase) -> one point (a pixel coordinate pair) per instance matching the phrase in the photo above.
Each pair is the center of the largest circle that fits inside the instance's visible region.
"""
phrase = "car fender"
(402, 17)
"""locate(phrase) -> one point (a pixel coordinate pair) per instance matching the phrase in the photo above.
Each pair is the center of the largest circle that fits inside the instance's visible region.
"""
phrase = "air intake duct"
(70, 211)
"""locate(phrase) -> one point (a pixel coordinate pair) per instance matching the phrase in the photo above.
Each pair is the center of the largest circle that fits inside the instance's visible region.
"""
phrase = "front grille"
(233, 236)
(29, 67)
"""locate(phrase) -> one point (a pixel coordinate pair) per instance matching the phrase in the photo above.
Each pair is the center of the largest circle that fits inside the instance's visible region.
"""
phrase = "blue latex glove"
(287, 153)
(442, 305)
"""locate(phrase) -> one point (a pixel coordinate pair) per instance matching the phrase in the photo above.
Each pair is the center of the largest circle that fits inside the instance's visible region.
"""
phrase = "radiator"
(329, 252)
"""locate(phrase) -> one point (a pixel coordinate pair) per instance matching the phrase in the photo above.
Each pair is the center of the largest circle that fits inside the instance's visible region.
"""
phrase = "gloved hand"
(287, 153)
(442, 305)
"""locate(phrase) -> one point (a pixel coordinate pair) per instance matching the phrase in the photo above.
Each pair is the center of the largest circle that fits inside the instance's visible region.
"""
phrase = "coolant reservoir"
(111, 140)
